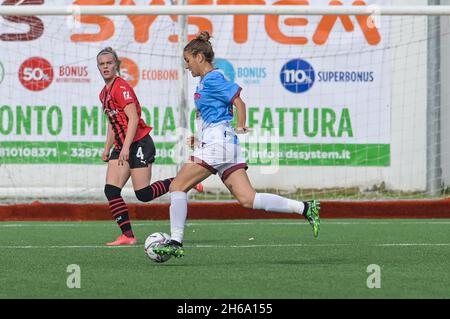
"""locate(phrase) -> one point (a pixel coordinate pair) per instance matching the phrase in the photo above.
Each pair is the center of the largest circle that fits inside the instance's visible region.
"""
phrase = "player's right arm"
(109, 142)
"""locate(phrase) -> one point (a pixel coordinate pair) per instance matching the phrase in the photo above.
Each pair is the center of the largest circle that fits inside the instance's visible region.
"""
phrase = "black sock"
(119, 211)
(154, 190)
(174, 242)
(305, 209)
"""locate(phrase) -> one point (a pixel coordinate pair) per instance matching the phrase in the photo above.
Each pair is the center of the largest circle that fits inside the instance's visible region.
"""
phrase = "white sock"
(278, 204)
(178, 215)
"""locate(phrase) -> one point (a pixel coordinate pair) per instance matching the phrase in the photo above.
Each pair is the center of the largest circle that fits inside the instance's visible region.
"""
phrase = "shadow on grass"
(239, 263)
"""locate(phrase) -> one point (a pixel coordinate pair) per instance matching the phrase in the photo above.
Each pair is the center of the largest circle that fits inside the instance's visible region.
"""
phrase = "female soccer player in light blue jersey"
(218, 149)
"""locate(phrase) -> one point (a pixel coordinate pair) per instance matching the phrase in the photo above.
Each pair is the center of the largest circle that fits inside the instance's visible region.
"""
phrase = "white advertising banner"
(319, 84)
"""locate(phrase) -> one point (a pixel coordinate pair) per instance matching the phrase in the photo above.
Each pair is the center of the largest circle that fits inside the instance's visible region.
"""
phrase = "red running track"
(37, 211)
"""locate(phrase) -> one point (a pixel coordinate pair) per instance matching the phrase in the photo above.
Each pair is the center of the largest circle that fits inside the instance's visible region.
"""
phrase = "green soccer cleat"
(172, 248)
(312, 215)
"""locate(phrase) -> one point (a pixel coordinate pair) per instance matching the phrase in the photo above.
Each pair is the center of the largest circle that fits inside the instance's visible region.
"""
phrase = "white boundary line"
(215, 223)
(235, 246)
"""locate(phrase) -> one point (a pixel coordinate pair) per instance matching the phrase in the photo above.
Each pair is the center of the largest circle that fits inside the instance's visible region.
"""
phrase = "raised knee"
(112, 192)
(144, 194)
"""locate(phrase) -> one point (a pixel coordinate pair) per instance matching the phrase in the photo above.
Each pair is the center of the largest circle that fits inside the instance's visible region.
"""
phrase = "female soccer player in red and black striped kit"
(134, 150)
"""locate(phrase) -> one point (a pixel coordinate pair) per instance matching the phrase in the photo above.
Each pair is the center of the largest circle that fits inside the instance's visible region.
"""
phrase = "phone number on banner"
(30, 153)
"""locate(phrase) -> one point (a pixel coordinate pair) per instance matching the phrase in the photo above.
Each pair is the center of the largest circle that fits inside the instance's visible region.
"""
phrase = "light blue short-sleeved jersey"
(214, 98)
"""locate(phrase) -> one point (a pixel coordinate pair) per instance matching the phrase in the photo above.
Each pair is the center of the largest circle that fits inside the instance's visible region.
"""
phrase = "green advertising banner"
(258, 154)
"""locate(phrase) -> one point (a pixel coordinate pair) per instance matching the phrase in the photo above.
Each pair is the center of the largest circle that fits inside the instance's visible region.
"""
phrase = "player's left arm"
(109, 142)
(133, 120)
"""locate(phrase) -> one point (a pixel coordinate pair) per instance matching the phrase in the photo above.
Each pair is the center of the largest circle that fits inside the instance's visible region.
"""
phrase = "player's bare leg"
(239, 185)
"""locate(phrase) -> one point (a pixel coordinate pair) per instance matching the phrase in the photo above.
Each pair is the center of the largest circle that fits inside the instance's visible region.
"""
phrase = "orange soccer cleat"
(123, 240)
(199, 187)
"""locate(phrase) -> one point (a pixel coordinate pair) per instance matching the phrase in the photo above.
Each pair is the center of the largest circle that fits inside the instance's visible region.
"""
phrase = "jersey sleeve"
(101, 96)
(223, 89)
(122, 95)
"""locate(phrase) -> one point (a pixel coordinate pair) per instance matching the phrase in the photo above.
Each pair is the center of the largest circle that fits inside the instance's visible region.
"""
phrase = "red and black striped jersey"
(114, 100)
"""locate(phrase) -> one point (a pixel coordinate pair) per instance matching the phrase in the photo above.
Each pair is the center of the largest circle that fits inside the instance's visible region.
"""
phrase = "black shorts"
(142, 153)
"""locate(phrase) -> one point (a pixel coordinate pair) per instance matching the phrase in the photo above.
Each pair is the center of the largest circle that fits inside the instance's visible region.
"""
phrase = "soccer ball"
(153, 241)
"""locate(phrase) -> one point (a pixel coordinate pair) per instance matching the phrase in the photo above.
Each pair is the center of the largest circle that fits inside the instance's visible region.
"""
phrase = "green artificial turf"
(230, 259)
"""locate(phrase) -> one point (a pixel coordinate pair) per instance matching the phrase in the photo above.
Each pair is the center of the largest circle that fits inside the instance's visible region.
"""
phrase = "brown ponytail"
(201, 45)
